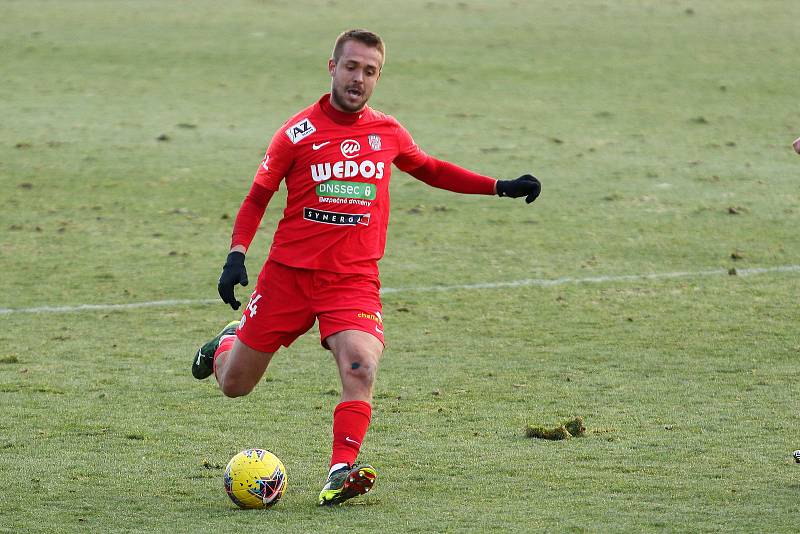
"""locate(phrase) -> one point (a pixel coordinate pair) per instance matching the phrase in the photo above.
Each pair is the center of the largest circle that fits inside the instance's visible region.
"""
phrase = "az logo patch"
(300, 131)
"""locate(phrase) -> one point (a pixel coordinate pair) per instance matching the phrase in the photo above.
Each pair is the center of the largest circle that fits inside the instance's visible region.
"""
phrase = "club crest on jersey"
(300, 131)
(374, 141)
(350, 148)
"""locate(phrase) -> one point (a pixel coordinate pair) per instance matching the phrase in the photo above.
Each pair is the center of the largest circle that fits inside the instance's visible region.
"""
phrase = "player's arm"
(244, 229)
(272, 170)
(446, 175)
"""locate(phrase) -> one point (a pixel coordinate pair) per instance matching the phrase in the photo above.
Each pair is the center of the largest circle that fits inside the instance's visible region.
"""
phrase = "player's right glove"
(527, 186)
(232, 273)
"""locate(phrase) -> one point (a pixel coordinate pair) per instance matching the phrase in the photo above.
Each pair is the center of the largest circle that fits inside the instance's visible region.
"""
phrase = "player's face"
(354, 77)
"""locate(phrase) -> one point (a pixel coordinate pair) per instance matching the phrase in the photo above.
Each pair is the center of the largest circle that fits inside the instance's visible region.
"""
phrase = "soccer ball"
(255, 478)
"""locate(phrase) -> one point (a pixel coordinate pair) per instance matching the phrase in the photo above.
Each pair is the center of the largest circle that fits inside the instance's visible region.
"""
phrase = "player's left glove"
(527, 186)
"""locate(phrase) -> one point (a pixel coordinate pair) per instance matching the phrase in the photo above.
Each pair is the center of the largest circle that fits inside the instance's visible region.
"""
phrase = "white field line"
(541, 282)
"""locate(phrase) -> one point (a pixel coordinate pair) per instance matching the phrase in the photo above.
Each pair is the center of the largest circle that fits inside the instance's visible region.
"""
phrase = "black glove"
(525, 186)
(232, 273)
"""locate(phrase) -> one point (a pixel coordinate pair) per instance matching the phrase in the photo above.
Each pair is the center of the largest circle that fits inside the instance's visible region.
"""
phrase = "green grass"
(648, 123)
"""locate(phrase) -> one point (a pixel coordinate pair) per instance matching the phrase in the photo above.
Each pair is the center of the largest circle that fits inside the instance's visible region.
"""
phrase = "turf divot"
(569, 429)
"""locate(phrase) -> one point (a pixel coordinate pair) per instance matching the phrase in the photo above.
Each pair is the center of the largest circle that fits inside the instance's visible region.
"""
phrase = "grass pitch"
(661, 132)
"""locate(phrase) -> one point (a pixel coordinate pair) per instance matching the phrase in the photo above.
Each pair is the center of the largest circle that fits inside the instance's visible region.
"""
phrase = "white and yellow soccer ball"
(255, 478)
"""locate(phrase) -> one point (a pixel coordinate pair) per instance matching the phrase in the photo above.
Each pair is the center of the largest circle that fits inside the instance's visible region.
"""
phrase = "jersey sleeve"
(410, 156)
(250, 214)
(276, 163)
(446, 175)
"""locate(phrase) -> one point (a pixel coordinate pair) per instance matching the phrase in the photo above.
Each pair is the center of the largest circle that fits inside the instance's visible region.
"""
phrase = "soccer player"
(335, 157)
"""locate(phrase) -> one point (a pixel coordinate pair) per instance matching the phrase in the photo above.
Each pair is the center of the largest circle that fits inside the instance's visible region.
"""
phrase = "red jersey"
(337, 167)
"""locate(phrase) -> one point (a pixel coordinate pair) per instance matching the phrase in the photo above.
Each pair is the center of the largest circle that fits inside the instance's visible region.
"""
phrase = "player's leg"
(348, 308)
(357, 354)
(240, 369)
(277, 313)
(237, 367)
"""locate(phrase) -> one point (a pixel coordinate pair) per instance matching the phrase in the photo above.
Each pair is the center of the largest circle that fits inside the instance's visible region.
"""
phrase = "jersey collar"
(339, 117)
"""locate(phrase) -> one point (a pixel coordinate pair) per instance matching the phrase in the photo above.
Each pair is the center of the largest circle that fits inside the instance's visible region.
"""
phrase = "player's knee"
(236, 387)
(362, 369)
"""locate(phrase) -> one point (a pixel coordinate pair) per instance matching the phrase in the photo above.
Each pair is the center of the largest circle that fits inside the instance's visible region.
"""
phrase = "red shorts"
(286, 301)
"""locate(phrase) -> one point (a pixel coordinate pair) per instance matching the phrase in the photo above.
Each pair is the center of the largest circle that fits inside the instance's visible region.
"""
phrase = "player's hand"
(525, 186)
(796, 145)
(232, 273)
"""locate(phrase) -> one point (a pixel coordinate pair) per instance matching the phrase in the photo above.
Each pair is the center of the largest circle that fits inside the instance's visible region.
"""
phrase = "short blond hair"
(362, 36)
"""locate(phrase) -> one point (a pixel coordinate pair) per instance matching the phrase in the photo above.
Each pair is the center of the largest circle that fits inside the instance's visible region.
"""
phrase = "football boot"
(203, 362)
(346, 483)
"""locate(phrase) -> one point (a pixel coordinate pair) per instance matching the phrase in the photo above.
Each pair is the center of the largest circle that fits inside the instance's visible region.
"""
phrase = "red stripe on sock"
(350, 422)
(225, 344)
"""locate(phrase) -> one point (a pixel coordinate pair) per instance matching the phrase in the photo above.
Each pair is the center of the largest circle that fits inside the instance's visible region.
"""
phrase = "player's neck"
(337, 115)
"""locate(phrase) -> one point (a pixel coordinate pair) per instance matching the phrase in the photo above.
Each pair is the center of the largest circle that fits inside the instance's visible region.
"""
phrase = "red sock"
(350, 423)
(225, 344)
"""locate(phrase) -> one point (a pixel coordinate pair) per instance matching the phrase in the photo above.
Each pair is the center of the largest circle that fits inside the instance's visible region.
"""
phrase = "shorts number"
(252, 307)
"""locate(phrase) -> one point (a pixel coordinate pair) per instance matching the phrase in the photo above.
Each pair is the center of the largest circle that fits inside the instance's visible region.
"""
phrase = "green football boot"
(346, 483)
(203, 362)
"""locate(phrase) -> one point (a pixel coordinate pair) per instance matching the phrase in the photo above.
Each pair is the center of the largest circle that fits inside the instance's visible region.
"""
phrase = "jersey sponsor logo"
(339, 189)
(371, 316)
(348, 201)
(316, 146)
(350, 148)
(374, 141)
(321, 172)
(264, 163)
(300, 131)
(334, 217)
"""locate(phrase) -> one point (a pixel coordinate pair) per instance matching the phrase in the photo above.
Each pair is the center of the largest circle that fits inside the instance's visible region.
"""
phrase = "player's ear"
(331, 66)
